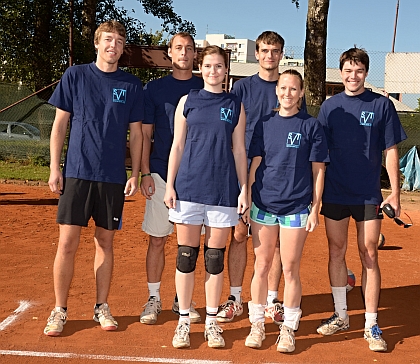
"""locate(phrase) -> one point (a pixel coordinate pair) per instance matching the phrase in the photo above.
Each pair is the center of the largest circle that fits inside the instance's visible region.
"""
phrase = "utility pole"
(395, 26)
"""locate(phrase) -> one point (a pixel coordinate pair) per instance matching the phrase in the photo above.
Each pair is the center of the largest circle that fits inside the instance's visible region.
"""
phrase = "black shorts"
(82, 199)
(357, 212)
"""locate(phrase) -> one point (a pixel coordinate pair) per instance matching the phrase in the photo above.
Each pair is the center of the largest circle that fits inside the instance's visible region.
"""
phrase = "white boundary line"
(23, 306)
(108, 357)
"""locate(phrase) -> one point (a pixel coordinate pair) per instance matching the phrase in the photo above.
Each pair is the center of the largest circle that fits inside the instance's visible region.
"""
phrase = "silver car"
(17, 131)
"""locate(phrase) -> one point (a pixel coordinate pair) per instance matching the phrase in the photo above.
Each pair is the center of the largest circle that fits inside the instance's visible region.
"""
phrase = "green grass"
(24, 170)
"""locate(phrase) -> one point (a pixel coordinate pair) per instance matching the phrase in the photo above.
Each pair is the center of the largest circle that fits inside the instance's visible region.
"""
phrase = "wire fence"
(25, 127)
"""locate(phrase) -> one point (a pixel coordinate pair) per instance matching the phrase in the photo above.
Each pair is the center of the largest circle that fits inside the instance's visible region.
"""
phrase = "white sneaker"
(286, 340)
(212, 333)
(374, 338)
(333, 324)
(194, 315)
(275, 311)
(256, 336)
(181, 338)
(229, 309)
(102, 314)
(55, 322)
(152, 309)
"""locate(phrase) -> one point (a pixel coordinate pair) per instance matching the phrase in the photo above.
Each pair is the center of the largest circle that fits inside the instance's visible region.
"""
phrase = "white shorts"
(193, 213)
(156, 222)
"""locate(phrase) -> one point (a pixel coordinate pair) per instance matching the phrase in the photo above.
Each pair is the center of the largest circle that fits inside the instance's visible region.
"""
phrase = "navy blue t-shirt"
(207, 173)
(161, 99)
(288, 146)
(358, 129)
(259, 99)
(102, 104)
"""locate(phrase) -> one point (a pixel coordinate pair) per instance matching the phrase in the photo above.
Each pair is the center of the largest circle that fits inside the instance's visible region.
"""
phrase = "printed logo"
(116, 219)
(226, 115)
(119, 95)
(293, 140)
(366, 118)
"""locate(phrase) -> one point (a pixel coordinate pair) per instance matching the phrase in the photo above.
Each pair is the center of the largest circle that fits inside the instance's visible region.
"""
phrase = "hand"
(56, 182)
(242, 202)
(132, 186)
(170, 197)
(147, 186)
(312, 222)
(394, 201)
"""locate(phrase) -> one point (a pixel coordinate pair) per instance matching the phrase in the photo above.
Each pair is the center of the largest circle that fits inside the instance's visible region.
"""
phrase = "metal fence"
(37, 113)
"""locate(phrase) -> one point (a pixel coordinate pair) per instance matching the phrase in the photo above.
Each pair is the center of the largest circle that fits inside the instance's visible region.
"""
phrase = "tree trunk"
(41, 60)
(316, 51)
(88, 29)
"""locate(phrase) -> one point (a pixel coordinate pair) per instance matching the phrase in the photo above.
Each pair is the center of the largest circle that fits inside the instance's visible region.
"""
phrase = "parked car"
(18, 131)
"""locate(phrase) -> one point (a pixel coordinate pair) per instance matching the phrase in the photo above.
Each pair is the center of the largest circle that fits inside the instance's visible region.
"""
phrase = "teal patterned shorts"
(294, 221)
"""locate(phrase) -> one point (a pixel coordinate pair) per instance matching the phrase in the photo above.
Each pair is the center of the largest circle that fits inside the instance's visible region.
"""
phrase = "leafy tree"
(34, 34)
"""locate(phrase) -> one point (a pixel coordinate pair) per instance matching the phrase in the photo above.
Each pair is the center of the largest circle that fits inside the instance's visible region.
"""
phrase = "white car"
(18, 131)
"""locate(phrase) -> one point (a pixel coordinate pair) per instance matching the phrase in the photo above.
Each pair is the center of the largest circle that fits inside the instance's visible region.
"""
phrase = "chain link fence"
(25, 126)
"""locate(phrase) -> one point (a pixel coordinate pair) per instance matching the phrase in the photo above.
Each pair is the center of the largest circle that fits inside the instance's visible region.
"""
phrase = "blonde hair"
(110, 26)
(292, 72)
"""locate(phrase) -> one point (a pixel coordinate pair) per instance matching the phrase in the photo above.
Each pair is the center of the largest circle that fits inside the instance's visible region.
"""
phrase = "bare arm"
(136, 142)
(147, 184)
(177, 150)
(392, 164)
(256, 161)
(58, 135)
(318, 174)
(239, 153)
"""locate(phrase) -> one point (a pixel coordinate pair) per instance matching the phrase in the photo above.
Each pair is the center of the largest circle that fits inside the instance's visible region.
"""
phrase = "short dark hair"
(213, 49)
(110, 26)
(356, 55)
(269, 37)
(182, 35)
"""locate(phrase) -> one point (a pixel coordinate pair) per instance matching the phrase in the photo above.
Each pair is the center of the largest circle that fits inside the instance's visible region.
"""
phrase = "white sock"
(211, 313)
(256, 312)
(184, 316)
(370, 319)
(272, 295)
(292, 317)
(340, 300)
(154, 290)
(236, 292)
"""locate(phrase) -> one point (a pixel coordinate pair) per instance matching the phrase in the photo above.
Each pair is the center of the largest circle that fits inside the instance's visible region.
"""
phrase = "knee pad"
(187, 258)
(214, 260)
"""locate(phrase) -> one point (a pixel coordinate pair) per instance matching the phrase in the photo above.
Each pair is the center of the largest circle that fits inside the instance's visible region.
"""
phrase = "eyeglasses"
(399, 222)
(389, 211)
(247, 224)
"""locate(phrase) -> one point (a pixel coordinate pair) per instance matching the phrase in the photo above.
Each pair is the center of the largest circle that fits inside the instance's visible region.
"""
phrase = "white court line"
(108, 357)
(23, 306)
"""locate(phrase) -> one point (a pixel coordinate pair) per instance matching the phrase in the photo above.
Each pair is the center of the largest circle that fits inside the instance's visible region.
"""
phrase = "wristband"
(146, 175)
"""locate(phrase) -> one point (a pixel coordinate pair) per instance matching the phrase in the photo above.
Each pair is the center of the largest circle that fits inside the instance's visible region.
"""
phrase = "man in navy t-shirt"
(161, 99)
(359, 126)
(258, 95)
(100, 103)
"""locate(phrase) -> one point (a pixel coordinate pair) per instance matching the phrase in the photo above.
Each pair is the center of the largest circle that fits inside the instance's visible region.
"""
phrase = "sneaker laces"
(274, 309)
(228, 304)
(285, 334)
(182, 330)
(214, 331)
(330, 320)
(104, 311)
(376, 332)
(57, 316)
(151, 306)
(257, 329)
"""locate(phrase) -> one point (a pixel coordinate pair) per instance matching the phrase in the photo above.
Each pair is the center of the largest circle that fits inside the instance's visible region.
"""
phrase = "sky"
(368, 24)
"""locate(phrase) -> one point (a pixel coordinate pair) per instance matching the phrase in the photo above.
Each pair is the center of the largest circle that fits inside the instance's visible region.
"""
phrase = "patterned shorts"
(294, 221)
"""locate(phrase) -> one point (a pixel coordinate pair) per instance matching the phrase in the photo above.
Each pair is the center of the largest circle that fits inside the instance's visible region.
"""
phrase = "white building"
(242, 50)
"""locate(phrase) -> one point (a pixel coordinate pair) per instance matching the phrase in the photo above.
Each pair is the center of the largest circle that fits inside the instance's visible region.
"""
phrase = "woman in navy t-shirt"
(206, 161)
(288, 152)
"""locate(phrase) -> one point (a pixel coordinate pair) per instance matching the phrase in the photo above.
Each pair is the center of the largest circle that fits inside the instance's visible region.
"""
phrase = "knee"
(239, 235)
(369, 259)
(186, 259)
(262, 267)
(157, 242)
(214, 260)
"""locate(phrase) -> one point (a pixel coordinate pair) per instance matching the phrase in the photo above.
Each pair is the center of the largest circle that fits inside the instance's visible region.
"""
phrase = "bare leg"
(155, 258)
(104, 262)
(274, 275)
(64, 262)
(215, 238)
(367, 233)
(264, 240)
(237, 255)
(188, 235)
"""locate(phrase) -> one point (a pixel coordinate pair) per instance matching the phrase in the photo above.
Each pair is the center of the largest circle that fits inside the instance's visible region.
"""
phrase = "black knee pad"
(214, 260)
(187, 258)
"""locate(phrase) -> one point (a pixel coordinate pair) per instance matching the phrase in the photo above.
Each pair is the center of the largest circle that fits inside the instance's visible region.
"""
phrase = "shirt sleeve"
(256, 148)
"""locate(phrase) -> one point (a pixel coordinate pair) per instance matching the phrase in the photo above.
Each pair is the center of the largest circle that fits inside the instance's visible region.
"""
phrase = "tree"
(34, 34)
(315, 53)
